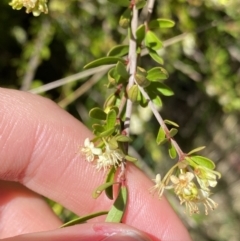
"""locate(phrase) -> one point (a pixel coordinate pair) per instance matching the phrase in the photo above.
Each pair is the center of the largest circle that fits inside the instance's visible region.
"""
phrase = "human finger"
(45, 139)
(23, 211)
(87, 232)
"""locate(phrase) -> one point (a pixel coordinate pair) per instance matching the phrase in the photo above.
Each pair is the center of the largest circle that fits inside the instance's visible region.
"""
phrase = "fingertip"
(88, 232)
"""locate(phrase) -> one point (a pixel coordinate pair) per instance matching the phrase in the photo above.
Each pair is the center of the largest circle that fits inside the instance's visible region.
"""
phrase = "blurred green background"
(46, 55)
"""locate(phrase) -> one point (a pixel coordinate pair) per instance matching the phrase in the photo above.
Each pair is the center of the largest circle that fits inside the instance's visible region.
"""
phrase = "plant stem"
(150, 9)
(160, 120)
(132, 57)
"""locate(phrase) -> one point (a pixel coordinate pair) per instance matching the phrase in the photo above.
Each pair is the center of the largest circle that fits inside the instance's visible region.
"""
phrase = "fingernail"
(128, 236)
(120, 233)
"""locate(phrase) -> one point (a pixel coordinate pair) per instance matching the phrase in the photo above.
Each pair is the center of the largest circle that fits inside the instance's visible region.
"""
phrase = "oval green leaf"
(168, 122)
(122, 138)
(110, 101)
(172, 151)
(125, 18)
(106, 133)
(157, 101)
(140, 77)
(115, 108)
(157, 73)
(111, 119)
(161, 23)
(152, 41)
(119, 51)
(203, 161)
(133, 93)
(97, 128)
(160, 136)
(116, 212)
(164, 89)
(102, 61)
(130, 158)
(142, 100)
(155, 56)
(140, 33)
(196, 150)
(173, 132)
(110, 178)
(121, 70)
(97, 113)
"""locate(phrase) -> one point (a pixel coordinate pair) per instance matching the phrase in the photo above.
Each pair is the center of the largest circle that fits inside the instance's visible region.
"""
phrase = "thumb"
(87, 232)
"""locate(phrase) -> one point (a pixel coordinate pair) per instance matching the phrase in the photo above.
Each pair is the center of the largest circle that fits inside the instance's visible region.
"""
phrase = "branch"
(69, 79)
(160, 120)
(132, 57)
(81, 90)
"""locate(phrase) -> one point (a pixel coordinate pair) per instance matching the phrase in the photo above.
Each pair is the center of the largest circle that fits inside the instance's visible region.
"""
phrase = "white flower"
(182, 183)
(159, 186)
(206, 177)
(207, 201)
(90, 150)
(34, 6)
(110, 158)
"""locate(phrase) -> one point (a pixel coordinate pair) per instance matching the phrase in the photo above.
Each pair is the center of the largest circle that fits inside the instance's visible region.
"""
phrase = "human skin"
(39, 156)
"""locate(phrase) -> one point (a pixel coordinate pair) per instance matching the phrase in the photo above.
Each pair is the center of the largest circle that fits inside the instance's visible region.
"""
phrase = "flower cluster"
(35, 6)
(104, 158)
(189, 192)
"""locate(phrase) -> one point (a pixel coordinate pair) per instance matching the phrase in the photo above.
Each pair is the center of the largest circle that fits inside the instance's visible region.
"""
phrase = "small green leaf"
(157, 101)
(115, 108)
(152, 41)
(203, 161)
(121, 70)
(140, 77)
(133, 93)
(168, 122)
(123, 3)
(113, 144)
(173, 132)
(154, 94)
(119, 51)
(122, 138)
(83, 219)
(97, 128)
(172, 151)
(112, 78)
(160, 136)
(97, 113)
(111, 119)
(164, 89)
(196, 150)
(106, 133)
(157, 73)
(161, 23)
(97, 192)
(125, 18)
(110, 101)
(130, 158)
(155, 56)
(116, 212)
(140, 33)
(140, 3)
(102, 61)
(142, 100)
(110, 178)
